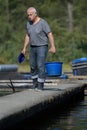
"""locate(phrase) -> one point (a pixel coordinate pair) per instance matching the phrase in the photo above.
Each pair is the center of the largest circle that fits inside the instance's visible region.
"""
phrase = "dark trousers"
(37, 62)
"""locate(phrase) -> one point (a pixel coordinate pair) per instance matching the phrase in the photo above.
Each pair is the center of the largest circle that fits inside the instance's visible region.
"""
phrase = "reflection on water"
(76, 119)
(71, 117)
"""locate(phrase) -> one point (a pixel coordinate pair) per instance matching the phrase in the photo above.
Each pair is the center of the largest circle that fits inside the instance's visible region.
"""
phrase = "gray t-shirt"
(38, 33)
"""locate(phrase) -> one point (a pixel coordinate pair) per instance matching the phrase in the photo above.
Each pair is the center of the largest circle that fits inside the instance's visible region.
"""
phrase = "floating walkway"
(19, 106)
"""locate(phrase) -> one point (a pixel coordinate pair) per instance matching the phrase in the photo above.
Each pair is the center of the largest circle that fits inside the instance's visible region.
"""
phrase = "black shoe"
(40, 86)
(35, 84)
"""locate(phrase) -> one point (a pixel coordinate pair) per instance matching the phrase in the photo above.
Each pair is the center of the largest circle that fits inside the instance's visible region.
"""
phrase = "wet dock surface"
(21, 105)
(18, 106)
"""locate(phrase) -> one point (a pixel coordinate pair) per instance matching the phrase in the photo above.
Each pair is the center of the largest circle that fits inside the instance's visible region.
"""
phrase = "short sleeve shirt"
(38, 33)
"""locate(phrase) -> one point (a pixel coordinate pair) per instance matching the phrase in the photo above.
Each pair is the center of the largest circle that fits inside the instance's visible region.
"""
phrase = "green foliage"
(69, 45)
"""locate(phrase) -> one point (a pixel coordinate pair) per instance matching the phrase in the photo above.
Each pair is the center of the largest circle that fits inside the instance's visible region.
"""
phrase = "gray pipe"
(8, 67)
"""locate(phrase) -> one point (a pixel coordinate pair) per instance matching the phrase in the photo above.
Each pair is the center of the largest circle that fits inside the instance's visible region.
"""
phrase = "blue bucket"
(53, 68)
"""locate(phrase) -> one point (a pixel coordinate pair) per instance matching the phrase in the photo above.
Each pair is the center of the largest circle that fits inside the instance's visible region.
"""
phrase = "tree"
(70, 14)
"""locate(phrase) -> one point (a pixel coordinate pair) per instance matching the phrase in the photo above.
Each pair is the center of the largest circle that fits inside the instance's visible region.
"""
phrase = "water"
(71, 117)
(75, 119)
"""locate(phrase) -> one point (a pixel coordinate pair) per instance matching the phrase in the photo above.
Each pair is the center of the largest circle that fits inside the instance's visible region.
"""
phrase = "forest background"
(67, 19)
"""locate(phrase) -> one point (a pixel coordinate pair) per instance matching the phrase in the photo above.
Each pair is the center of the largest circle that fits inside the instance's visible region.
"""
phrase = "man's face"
(31, 15)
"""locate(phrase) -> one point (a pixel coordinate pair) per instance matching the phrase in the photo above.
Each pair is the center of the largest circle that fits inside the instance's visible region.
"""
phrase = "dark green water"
(74, 119)
(70, 117)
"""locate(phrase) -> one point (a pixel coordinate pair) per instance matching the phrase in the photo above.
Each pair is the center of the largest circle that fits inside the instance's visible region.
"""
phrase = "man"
(37, 36)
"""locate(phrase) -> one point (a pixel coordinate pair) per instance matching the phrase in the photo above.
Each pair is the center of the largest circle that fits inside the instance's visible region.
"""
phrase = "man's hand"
(24, 51)
(52, 49)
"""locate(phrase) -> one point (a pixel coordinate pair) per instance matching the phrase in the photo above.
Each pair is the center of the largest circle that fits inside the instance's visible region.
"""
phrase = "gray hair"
(33, 9)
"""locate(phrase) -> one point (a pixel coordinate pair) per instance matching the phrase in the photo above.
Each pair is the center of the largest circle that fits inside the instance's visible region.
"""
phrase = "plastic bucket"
(53, 68)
